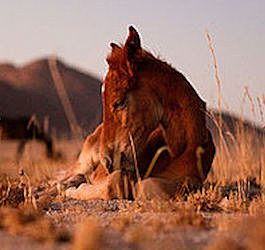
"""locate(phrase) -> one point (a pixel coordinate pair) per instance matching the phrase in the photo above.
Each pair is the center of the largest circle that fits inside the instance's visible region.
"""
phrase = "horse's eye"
(120, 104)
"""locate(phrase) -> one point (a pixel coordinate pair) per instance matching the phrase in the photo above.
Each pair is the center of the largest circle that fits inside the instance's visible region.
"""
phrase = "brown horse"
(141, 93)
(95, 176)
(24, 130)
(147, 104)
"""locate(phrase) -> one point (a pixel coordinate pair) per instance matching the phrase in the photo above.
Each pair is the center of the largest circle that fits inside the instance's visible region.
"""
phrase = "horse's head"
(131, 107)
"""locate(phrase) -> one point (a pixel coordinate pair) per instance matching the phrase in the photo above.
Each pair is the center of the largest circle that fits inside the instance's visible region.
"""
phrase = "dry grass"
(243, 154)
(231, 204)
(27, 221)
(88, 236)
(240, 156)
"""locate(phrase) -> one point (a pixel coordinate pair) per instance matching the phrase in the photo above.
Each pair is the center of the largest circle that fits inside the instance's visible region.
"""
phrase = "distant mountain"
(232, 125)
(30, 90)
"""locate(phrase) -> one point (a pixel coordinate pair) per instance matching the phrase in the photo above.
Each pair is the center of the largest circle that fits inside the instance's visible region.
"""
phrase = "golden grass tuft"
(88, 235)
(206, 199)
(10, 192)
(254, 231)
(136, 234)
(122, 222)
(27, 222)
(225, 243)
(240, 153)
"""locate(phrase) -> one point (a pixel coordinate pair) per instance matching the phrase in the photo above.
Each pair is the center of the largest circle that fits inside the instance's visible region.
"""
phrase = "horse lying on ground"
(24, 129)
(103, 181)
(91, 169)
(142, 94)
(92, 177)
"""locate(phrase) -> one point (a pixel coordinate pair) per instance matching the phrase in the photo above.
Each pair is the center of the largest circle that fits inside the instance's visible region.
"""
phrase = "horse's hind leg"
(20, 150)
(156, 188)
(193, 165)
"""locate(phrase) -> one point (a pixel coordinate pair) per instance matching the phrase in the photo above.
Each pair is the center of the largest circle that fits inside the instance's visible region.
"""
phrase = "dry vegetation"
(228, 212)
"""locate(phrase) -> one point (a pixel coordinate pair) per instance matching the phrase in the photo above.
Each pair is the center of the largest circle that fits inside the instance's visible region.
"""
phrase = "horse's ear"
(114, 47)
(115, 51)
(132, 44)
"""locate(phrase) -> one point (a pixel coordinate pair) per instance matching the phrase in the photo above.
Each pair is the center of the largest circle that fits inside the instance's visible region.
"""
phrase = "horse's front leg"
(108, 188)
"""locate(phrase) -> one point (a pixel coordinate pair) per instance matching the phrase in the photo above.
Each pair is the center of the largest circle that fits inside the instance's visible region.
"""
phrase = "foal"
(23, 129)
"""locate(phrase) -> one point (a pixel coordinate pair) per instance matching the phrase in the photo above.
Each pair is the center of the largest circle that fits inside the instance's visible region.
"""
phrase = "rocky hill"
(30, 90)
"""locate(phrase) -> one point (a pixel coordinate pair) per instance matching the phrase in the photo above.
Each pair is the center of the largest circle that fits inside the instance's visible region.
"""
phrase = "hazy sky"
(80, 31)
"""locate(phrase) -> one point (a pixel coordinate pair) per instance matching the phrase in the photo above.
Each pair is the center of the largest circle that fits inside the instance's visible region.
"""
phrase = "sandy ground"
(132, 225)
(120, 224)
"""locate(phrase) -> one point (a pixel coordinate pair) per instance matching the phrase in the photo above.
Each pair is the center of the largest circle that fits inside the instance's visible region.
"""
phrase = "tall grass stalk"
(239, 152)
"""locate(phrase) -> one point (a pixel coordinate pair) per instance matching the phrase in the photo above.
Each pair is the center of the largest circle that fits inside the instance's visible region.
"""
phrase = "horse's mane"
(142, 59)
(144, 62)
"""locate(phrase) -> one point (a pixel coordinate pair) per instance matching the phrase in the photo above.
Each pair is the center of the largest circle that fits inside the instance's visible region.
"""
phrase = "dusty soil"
(229, 217)
(136, 225)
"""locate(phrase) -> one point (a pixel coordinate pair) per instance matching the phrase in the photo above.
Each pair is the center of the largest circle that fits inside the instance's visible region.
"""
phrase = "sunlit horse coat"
(147, 104)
